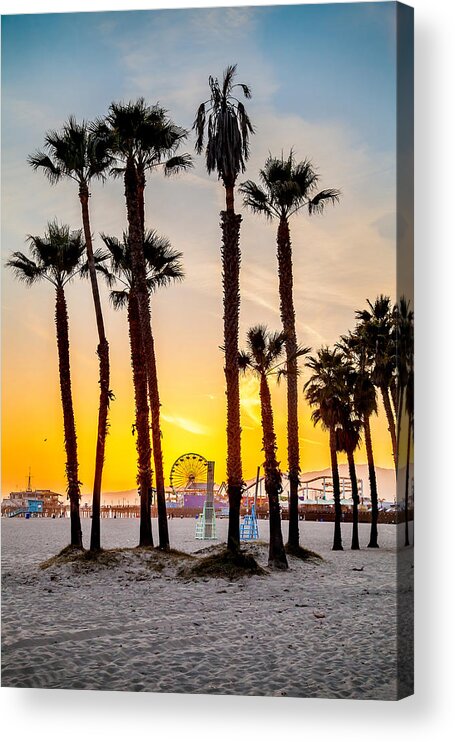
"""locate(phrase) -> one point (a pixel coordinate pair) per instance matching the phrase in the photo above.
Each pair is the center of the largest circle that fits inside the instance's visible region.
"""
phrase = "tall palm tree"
(409, 405)
(376, 326)
(286, 187)
(404, 328)
(163, 266)
(364, 401)
(58, 258)
(142, 139)
(222, 122)
(263, 355)
(325, 392)
(403, 322)
(76, 154)
(348, 439)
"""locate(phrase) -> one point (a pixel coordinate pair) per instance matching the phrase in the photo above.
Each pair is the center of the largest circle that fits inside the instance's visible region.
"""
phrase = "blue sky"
(323, 82)
(329, 61)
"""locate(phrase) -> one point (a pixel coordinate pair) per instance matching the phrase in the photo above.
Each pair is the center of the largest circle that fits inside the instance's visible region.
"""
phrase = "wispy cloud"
(311, 441)
(214, 34)
(249, 398)
(190, 426)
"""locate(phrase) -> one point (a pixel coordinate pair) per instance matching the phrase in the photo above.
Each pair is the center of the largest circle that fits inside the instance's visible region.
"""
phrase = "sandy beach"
(323, 629)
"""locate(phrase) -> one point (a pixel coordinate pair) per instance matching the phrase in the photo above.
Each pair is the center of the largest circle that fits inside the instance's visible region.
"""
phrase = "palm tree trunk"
(337, 542)
(144, 477)
(69, 426)
(355, 501)
(399, 416)
(104, 375)
(284, 255)
(406, 491)
(132, 191)
(140, 198)
(277, 554)
(390, 421)
(230, 255)
(155, 404)
(394, 393)
(229, 188)
(373, 543)
(163, 531)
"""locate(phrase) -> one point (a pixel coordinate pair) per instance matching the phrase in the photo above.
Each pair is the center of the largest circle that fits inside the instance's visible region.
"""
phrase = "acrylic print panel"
(208, 351)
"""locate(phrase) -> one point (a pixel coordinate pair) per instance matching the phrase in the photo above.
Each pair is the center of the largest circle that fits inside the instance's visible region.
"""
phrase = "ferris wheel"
(189, 469)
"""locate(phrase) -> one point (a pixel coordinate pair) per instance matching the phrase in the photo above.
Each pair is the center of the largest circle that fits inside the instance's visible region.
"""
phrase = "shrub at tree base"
(138, 556)
(224, 563)
(304, 554)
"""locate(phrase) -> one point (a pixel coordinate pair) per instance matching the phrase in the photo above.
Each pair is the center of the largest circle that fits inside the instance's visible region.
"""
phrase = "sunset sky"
(323, 82)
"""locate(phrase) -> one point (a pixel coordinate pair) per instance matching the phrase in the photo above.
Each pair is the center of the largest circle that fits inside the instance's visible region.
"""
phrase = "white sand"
(321, 630)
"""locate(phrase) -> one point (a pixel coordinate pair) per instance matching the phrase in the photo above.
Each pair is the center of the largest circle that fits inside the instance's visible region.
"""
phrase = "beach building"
(27, 503)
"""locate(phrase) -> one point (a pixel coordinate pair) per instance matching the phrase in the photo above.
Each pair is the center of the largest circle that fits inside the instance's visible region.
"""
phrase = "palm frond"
(56, 257)
(119, 299)
(276, 170)
(76, 151)
(145, 134)
(198, 127)
(305, 176)
(118, 251)
(24, 269)
(109, 277)
(245, 88)
(51, 170)
(299, 353)
(117, 171)
(227, 125)
(255, 198)
(326, 388)
(275, 347)
(99, 258)
(228, 78)
(244, 361)
(177, 164)
(318, 202)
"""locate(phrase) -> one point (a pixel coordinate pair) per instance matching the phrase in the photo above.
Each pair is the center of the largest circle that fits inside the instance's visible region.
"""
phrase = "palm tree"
(227, 127)
(409, 406)
(325, 392)
(403, 322)
(163, 266)
(286, 187)
(142, 139)
(348, 439)
(365, 405)
(404, 328)
(263, 355)
(376, 325)
(76, 154)
(57, 258)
